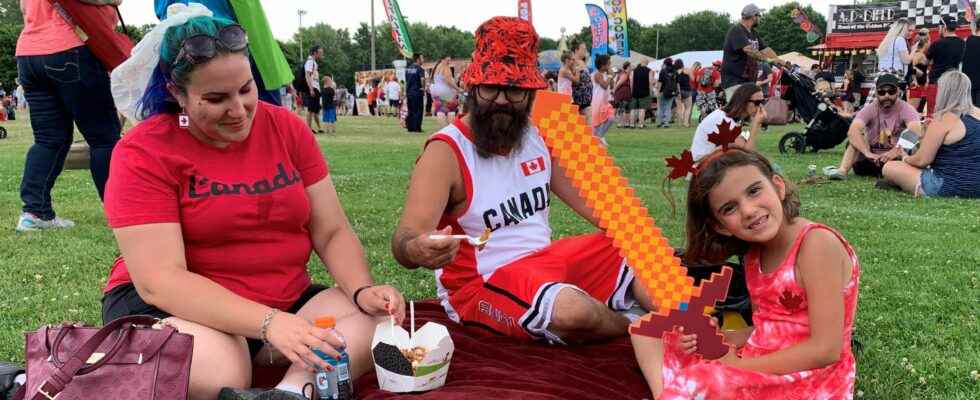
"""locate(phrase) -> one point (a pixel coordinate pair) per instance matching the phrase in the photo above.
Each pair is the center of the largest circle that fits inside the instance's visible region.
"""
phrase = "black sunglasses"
(198, 49)
(758, 103)
(490, 94)
(889, 92)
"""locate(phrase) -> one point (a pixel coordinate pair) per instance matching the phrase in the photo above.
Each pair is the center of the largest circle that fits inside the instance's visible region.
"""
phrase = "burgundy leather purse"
(128, 359)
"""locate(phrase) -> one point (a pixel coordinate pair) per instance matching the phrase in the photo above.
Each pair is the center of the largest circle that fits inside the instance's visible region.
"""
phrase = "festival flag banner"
(812, 31)
(619, 37)
(399, 31)
(968, 12)
(524, 10)
(600, 30)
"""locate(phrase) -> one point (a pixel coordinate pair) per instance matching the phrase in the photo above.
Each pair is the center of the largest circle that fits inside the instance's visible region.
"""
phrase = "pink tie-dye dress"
(781, 321)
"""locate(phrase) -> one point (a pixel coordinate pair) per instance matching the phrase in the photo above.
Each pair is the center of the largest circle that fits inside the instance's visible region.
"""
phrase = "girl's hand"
(296, 338)
(383, 300)
(687, 344)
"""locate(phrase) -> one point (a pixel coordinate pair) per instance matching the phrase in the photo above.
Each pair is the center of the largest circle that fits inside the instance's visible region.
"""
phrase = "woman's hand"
(296, 338)
(382, 300)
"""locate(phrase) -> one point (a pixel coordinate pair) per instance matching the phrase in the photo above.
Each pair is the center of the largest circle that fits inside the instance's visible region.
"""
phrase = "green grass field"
(919, 312)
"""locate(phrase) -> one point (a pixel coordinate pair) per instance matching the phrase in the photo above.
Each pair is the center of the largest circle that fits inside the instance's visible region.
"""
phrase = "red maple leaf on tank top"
(790, 300)
(726, 135)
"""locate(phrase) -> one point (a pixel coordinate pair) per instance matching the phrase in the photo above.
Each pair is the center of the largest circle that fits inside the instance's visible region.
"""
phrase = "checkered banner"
(929, 12)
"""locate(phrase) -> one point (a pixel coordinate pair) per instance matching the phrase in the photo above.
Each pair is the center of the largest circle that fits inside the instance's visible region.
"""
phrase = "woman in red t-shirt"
(216, 201)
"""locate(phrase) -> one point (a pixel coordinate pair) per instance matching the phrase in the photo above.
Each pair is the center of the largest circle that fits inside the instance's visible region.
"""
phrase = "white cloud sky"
(549, 15)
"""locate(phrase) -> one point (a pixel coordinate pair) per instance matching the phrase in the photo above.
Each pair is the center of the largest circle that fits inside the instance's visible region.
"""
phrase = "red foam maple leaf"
(790, 300)
(680, 167)
(726, 135)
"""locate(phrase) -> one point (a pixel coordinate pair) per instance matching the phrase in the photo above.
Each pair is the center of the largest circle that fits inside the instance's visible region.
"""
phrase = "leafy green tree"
(10, 13)
(703, 30)
(777, 29)
(8, 45)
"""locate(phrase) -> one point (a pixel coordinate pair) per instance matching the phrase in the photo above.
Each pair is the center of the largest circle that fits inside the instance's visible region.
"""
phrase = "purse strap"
(63, 375)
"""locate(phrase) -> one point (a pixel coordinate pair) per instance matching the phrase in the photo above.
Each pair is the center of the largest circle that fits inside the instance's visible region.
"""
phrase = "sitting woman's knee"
(573, 311)
(891, 169)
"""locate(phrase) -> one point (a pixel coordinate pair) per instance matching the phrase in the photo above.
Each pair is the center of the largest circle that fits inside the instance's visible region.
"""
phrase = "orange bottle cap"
(326, 322)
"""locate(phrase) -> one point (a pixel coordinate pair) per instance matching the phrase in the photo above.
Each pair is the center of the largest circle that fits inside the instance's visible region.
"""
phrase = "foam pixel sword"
(634, 232)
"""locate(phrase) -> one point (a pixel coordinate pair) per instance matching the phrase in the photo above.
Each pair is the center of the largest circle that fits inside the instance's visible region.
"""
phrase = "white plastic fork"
(475, 241)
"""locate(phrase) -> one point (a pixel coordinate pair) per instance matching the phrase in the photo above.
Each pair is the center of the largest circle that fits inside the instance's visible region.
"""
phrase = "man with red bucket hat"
(490, 170)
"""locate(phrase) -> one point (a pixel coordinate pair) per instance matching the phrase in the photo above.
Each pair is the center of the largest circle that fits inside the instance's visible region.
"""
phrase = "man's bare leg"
(577, 318)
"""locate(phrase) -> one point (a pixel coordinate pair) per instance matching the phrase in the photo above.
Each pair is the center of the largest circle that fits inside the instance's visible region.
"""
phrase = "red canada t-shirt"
(243, 210)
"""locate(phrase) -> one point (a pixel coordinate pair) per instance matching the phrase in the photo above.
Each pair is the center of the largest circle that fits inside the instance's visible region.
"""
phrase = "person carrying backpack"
(668, 88)
(708, 80)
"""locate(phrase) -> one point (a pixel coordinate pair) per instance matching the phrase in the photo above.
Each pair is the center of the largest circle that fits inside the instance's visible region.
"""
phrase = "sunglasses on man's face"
(887, 92)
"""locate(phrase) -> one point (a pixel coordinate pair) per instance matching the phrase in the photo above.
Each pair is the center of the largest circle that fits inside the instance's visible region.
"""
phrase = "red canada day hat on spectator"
(506, 54)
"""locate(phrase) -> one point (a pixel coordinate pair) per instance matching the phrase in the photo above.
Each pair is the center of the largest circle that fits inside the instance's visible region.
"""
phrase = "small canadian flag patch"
(533, 166)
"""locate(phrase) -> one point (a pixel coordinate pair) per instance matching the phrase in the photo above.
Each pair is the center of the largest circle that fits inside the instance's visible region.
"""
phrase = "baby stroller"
(825, 127)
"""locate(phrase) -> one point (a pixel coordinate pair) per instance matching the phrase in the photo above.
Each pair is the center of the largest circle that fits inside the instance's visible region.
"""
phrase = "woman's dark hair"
(626, 66)
(601, 60)
(704, 243)
(737, 105)
(678, 64)
(576, 42)
(157, 98)
(314, 49)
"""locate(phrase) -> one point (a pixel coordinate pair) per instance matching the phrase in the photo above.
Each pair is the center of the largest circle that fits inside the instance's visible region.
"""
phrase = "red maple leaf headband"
(726, 135)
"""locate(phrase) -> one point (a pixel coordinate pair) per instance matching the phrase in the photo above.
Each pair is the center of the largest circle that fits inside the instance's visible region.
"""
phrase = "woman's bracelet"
(354, 298)
(264, 330)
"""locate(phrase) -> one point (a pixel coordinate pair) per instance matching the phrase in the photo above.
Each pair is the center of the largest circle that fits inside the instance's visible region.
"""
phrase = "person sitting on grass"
(802, 277)
(947, 163)
(216, 200)
(873, 135)
(746, 105)
(490, 170)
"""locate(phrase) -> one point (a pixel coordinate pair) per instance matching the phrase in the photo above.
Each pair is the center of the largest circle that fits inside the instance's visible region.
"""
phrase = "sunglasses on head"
(198, 49)
(887, 91)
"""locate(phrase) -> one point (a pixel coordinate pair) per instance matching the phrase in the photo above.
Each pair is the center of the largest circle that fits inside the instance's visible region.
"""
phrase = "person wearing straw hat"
(491, 171)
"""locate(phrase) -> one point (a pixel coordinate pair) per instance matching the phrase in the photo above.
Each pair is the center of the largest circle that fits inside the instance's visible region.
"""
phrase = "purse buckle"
(45, 393)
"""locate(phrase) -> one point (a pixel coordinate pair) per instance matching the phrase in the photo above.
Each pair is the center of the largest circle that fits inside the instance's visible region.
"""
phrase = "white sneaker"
(833, 173)
(30, 222)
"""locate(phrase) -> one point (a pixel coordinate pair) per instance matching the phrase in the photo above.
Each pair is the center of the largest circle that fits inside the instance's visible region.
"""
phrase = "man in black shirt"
(641, 97)
(971, 62)
(945, 54)
(414, 76)
(742, 52)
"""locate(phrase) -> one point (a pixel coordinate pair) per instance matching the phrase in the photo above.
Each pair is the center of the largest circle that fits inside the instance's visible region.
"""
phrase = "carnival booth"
(855, 31)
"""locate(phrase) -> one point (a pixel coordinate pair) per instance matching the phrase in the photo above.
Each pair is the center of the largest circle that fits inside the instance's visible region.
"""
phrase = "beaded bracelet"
(264, 330)
(354, 297)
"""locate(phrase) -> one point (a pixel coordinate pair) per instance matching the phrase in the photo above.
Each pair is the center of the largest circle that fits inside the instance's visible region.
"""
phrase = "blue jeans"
(66, 88)
(664, 108)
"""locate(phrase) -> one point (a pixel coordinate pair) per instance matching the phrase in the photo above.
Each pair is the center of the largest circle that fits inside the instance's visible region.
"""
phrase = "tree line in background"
(346, 52)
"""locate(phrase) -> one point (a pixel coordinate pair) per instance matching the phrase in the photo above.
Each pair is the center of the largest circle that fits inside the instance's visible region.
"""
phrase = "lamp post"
(300, 13)
(373, 65)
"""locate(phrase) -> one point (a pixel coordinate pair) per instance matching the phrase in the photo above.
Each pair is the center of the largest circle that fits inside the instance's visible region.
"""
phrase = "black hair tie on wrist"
(354, 297)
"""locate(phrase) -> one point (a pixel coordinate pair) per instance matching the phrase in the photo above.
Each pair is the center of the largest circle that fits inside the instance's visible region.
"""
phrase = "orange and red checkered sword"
(632, 229)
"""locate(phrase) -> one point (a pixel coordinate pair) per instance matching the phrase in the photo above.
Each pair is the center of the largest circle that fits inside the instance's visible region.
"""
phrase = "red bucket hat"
(506, 54)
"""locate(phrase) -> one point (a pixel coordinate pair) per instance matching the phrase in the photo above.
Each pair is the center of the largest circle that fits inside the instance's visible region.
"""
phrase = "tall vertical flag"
(399, 31)
(600, 30)
(969, 13)
(524, 10)
(619, 36)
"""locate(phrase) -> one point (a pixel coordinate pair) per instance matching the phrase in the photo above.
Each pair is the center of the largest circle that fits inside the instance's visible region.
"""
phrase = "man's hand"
(433, 253)
(871, 156)
(760, 116)
(890, 155)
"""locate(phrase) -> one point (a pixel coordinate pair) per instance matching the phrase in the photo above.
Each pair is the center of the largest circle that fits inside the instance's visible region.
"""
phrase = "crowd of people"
(215, 194)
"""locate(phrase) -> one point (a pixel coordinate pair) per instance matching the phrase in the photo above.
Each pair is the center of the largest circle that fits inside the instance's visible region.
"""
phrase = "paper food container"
(396, 373)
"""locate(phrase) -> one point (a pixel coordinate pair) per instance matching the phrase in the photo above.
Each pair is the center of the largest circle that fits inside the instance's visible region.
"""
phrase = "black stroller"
(825, 128)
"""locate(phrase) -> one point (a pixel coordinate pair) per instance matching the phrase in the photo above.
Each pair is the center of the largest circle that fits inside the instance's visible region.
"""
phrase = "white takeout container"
(429, 374)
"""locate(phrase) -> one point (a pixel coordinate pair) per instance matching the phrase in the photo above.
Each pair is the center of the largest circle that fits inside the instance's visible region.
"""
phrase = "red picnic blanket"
(485, 365)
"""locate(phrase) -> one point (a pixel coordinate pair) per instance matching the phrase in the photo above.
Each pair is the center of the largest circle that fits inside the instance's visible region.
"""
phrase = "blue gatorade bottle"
(336, 383)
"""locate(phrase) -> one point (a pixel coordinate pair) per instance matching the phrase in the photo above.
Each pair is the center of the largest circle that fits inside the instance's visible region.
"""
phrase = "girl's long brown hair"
(704, 244)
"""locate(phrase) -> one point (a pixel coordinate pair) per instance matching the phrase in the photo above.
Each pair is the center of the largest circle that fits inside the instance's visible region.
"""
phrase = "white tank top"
(441, 89)
(564, 85)
(508, 194)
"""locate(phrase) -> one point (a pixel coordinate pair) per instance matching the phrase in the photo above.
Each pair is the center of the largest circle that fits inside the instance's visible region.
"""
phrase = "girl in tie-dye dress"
(802, 278)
